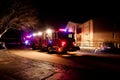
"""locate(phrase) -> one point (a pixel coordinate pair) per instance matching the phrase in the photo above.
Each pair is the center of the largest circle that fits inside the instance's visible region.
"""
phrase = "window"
(69, 35)
(65, 35)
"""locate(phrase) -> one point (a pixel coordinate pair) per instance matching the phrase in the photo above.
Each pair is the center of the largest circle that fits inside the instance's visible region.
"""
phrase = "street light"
(34, 34)
(49, 31)
(39, 33)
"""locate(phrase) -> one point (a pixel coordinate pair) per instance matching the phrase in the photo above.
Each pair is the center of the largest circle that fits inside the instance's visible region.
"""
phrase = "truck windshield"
(65, 35)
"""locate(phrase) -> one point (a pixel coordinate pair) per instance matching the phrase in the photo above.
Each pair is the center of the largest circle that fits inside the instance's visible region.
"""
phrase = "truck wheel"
(33, 47)
(64, 52)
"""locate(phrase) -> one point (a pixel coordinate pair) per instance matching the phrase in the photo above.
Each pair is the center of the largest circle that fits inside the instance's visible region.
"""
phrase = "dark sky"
(59, 12)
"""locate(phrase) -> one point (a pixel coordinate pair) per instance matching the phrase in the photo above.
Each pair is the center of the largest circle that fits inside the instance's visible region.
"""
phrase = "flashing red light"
(63, 43)
(63, 30)
(66, 30)
(28, 36)
(59, 49)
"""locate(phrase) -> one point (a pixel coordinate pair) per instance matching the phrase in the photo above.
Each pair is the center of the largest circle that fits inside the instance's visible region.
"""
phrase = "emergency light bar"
(62, 30)
(37, 34)
(28, 36)
(34, 34)
(65, 30)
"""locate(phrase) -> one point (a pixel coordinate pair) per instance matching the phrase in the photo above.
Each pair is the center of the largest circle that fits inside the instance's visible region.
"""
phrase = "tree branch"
(3, 32)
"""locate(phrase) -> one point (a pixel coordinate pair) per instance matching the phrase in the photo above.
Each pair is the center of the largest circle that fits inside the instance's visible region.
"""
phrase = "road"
(27, 64)
(80, 59)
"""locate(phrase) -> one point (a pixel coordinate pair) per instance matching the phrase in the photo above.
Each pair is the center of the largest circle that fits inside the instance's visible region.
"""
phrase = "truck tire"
(33, 47)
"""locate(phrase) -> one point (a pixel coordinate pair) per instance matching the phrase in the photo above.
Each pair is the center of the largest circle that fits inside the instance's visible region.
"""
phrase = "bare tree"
(19, 16)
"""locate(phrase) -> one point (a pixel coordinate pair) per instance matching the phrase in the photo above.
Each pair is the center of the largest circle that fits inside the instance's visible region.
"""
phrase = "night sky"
(58, 12)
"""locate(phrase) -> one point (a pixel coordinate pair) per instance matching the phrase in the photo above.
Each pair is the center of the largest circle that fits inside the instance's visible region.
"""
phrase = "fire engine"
(61, 40)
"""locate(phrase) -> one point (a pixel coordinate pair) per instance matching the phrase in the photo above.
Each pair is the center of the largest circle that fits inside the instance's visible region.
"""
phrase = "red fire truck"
(60, 41)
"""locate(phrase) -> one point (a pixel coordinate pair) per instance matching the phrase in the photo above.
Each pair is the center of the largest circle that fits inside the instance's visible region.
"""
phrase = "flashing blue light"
(70, 30)
(27, 42)
(50, 41)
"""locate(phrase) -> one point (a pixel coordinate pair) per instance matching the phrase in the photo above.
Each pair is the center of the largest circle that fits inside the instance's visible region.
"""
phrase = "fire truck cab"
(60, 41)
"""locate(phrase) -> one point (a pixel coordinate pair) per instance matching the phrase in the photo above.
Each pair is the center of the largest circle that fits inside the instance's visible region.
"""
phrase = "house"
(94, 32)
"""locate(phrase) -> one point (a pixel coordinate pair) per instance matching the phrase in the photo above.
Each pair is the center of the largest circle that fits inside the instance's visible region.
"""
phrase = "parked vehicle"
(109, 47)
